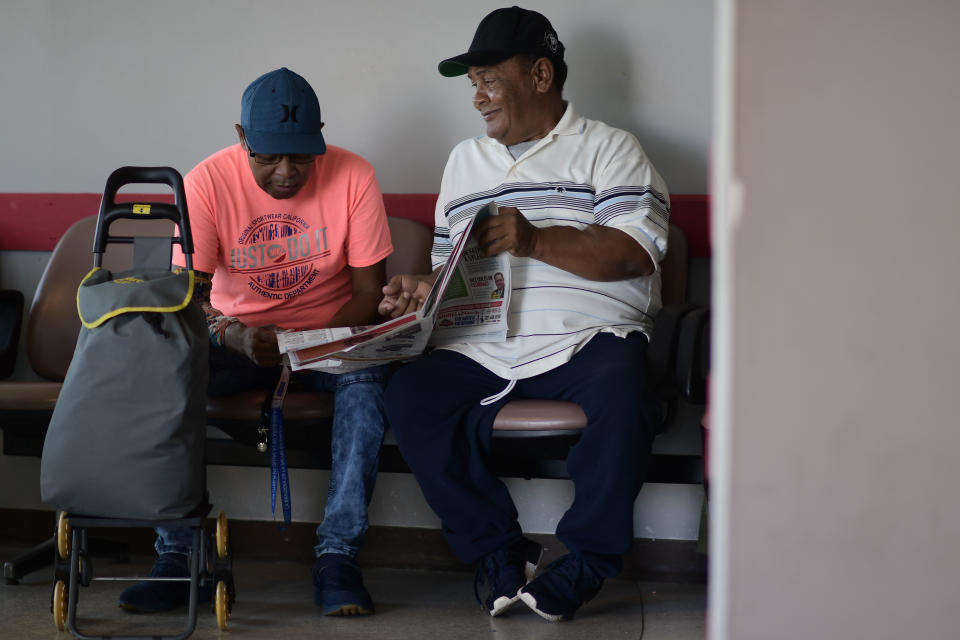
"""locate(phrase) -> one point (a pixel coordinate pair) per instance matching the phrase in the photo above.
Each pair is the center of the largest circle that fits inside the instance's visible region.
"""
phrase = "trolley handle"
(110, 210)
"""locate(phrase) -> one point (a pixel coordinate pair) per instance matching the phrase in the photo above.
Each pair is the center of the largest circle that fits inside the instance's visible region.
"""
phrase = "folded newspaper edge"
(465, 311)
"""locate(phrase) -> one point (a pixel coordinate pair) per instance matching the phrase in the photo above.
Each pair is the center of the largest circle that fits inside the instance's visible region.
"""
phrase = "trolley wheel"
(60, 605)
(223, 536)
(85, 569)
(63, 535)
(221, 605)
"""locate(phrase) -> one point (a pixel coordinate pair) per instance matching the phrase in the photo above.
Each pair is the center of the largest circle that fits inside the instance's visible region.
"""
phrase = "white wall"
(836, 303)
(90, 86)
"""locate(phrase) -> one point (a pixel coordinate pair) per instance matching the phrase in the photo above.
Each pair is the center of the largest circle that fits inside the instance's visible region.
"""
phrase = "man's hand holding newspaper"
(406, 293)
(464, 300)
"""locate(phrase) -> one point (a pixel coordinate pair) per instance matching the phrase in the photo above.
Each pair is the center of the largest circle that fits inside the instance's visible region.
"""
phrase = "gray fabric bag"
(126, 438)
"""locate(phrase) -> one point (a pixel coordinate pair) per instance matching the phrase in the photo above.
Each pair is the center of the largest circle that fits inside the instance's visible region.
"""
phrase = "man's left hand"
(509, 230)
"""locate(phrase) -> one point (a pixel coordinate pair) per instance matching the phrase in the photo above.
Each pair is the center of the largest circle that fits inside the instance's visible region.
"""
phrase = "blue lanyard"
(278, 451)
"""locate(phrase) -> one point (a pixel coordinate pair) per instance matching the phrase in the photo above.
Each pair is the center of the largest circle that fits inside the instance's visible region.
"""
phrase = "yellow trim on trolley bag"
(116, 312)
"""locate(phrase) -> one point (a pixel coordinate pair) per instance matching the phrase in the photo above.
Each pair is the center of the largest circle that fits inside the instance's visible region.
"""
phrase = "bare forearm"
(594, 252)
(257, 343)
(225, 331)
(217, 323)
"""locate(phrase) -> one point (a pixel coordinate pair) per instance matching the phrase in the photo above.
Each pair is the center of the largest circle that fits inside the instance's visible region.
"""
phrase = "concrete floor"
(275, 600)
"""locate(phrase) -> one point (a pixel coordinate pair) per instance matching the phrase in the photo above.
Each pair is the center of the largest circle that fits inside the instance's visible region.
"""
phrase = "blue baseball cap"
(279, 113)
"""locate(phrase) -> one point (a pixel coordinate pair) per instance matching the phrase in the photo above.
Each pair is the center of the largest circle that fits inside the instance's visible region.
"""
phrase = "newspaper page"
(475, 302)
(399, 339)
(466, 303)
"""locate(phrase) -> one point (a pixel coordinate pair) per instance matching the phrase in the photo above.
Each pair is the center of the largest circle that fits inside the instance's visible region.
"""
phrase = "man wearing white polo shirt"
(584, 217)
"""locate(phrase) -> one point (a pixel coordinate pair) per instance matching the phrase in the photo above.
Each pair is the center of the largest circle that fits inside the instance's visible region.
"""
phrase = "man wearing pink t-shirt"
(289, 233)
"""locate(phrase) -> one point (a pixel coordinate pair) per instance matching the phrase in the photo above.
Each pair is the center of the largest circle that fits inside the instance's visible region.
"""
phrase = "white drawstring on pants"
(497, 396)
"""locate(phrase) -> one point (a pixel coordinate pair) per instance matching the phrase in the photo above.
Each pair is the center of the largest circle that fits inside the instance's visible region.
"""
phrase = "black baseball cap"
(503, 34)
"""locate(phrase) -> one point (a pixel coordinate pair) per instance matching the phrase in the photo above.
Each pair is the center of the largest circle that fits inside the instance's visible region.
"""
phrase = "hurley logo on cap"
(288, 113)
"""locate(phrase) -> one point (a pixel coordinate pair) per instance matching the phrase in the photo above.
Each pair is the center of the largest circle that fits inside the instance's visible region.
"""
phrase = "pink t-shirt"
(284, 262)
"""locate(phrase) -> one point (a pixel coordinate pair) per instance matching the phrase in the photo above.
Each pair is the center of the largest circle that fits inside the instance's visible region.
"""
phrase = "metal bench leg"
(36, 558)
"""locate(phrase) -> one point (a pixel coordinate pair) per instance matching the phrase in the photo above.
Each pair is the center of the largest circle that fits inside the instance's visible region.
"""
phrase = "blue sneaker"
(338, 586)
(505, 571)
(154, 596)
(562, 588)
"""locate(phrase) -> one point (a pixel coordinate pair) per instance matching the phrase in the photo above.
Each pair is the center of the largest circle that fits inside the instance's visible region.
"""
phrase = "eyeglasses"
(273, 158)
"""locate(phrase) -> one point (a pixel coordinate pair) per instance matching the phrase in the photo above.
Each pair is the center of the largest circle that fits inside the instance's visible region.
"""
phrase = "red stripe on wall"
(413, 206)
(36, 221)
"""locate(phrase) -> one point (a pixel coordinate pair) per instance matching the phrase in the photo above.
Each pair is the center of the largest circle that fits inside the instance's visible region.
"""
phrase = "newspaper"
(467, 303)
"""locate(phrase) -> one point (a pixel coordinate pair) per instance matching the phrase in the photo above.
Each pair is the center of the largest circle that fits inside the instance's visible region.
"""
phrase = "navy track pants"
(433, 406)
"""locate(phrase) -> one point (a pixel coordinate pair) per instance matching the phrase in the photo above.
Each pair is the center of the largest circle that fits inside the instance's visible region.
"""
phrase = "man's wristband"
(218, 330)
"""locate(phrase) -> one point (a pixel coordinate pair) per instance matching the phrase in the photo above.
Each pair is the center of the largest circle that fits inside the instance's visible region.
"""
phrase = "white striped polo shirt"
(583, 172)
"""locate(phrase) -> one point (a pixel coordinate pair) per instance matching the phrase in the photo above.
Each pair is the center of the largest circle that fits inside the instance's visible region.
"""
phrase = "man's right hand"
(257, 343)
(405, 293)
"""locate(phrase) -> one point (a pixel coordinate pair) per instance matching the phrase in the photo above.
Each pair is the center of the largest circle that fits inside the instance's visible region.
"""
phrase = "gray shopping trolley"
(125, 443)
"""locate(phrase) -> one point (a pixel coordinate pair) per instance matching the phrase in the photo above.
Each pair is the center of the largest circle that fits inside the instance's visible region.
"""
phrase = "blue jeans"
(357, 435)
